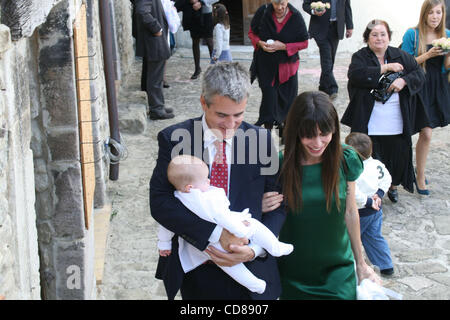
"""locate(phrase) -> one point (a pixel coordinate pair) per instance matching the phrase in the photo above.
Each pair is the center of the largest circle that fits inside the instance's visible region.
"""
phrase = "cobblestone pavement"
(417, 228)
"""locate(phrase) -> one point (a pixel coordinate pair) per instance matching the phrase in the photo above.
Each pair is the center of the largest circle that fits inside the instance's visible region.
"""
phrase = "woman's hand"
(277, 45)
(271, 201)
(394, 67)
(319, 13)
(434, 52)
(363, 271)
(397, 85)
(263, 45)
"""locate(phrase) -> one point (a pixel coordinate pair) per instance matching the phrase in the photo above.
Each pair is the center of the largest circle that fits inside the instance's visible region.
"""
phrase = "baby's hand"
(246, 223)
(165, 253)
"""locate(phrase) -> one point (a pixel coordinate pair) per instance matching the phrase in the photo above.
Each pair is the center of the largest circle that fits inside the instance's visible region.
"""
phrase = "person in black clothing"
(278, 32)
(327, 28)
(152, 46)
(197, 18)
(389, 124)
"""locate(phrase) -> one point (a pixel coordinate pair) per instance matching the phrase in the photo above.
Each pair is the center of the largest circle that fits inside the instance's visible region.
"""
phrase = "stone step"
(132, 118)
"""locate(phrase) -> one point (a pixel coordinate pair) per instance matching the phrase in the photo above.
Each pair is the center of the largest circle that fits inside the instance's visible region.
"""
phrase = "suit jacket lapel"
(197, 143)
(237, 170)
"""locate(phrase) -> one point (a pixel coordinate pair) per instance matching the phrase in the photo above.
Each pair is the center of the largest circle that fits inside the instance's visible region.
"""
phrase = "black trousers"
(209, 282)
(152, 82)
(327, 49)
(277, 100)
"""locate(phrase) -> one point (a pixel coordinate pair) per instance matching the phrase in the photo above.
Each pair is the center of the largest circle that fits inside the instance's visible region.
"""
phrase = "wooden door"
(249, 8)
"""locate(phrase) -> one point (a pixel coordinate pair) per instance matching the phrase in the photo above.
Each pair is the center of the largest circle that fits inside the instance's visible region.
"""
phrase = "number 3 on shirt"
(381, 172)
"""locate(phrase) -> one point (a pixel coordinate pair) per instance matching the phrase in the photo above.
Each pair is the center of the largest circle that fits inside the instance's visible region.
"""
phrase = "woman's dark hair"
(310, 112)
(361, 142)
(372, 24)
(220, 15)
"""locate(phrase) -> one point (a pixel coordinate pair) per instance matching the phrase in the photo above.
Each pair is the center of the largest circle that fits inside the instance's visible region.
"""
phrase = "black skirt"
(277, 100)
(436, 94)
(396, 154)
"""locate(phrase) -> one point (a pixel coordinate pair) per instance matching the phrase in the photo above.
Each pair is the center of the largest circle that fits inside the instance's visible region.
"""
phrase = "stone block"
(70, 260)
(45, 232)
(64, 145)
(416, 283)
(45, 207)
(5, 38)
(56, 71)
(41, 182)
(68, 220)
(133, 118)
(442, 224)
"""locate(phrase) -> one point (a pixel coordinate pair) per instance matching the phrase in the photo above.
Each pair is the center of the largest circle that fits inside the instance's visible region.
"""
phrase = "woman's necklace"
(284, 15)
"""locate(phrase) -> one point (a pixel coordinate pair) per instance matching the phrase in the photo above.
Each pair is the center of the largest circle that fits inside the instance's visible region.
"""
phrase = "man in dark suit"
(153, 47)
(252, 170)
(327, 27)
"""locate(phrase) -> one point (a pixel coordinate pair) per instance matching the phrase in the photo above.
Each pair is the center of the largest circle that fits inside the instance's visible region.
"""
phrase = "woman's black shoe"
(165, 85)
(196, 74)
(393, 195)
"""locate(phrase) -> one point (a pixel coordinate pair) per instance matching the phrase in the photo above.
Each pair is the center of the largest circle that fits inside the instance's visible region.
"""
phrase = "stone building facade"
(46, 249)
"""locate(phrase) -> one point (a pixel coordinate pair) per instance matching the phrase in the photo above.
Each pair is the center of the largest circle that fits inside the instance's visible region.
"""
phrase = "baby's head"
(185, 172)
(361, 142)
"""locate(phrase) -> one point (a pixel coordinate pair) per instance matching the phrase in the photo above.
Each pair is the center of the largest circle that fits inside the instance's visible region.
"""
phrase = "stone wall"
(45, 249)
(123, 15)
(19, 261)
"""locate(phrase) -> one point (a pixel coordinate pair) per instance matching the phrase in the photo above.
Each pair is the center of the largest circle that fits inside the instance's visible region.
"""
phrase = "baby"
(189, 176)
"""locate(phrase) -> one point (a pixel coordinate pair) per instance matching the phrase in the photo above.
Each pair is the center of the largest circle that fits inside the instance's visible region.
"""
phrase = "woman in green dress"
(318, 178)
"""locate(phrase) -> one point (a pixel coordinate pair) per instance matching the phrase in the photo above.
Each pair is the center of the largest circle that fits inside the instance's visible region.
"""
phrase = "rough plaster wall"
(19, 261)
(124, 37)
(38, 112)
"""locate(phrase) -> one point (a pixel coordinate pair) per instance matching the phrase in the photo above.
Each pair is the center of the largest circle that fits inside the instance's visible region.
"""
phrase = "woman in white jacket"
(371, 186)
(221, 34)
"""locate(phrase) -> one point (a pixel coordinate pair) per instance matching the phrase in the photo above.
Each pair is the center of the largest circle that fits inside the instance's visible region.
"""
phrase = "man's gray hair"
(227, 79)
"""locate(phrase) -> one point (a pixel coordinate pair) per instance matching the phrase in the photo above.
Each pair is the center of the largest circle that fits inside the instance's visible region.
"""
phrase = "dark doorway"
(234, 8)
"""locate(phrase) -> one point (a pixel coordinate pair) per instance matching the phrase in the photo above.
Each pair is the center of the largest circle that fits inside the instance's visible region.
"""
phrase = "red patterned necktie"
(219, 169)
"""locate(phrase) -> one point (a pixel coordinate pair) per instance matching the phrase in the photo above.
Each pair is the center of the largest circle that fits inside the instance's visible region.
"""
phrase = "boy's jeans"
(375, 245)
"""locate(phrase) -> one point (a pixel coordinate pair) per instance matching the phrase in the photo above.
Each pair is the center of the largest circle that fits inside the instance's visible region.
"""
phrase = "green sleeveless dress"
(322, 263)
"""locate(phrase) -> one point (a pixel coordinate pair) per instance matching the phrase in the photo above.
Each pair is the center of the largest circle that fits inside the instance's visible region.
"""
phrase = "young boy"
(189, 176)
(371, 186)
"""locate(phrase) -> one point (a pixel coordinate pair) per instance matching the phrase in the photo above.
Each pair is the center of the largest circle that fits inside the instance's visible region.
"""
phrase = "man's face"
(223, 116)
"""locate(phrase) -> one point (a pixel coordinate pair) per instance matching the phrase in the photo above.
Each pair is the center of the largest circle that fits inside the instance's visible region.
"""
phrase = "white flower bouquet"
(319, 6)
(443, 43)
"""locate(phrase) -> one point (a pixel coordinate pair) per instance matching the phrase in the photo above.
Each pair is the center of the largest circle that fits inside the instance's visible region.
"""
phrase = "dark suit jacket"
(318, 26)
(150, 19)
(247, 186)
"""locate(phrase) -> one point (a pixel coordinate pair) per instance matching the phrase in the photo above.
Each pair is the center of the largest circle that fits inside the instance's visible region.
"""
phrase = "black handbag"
(381, 92)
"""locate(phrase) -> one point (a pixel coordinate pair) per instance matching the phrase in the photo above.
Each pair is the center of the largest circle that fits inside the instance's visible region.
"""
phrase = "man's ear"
(203, 102)
(187, 188)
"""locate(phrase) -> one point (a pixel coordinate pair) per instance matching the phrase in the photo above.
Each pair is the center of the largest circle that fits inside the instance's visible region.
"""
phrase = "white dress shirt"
(208, 144)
